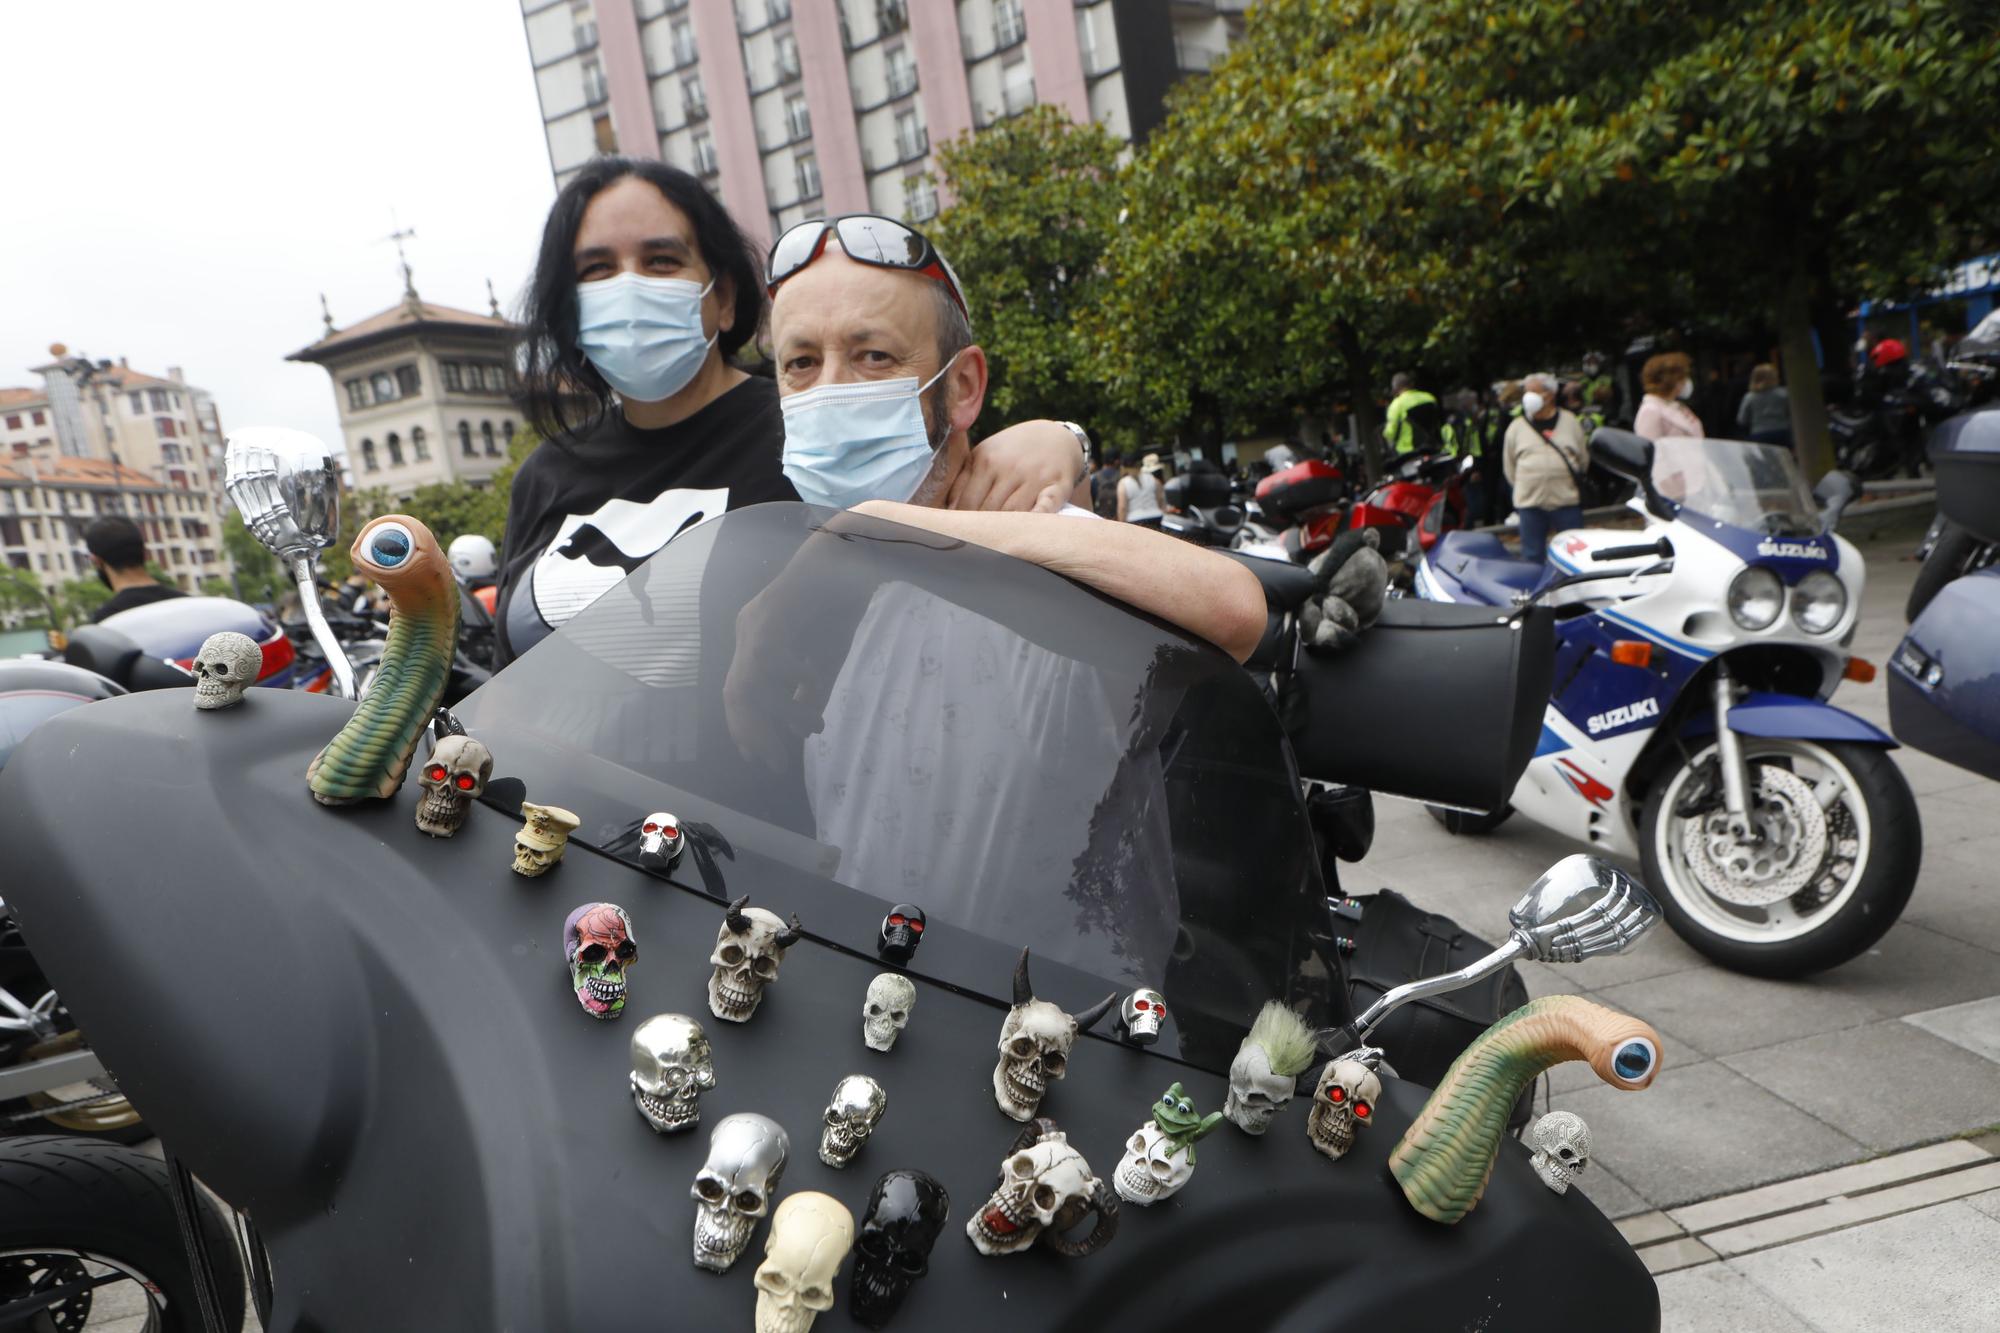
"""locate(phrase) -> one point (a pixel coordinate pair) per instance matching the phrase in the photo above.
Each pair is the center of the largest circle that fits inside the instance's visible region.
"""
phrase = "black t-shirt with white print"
(589, 510)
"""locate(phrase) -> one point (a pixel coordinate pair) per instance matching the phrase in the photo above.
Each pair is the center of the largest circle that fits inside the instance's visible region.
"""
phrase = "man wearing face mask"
(1545, 456)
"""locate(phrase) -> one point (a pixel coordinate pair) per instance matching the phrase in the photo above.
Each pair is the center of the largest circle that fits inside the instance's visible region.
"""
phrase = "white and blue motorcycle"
(1689, 724)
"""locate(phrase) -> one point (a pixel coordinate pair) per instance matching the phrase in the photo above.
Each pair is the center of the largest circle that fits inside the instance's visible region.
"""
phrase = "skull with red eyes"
(454, 775)
(1140, 1017)
(902, 932)
(661, 839)
(1343, 1101)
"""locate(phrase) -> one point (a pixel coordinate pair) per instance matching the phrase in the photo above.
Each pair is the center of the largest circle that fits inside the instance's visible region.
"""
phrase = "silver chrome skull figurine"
(671, 1067)
(732, 1191)
(1562, 1149)
(1141, 1016)
(453, 777)
(748, 951)
(1046, 1188)
(1264, 1074)
(886, 1011)
(227, 664)
(810, 1234)
(1035, 1042)
(661, 839)
(1343, 1101)
(857, 1107)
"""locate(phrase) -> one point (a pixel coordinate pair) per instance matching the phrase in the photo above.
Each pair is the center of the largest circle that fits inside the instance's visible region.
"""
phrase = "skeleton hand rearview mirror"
(732, 1192)
(1035, 1043)
(598, 944)
(226, 665)
(671, 1067)
(748, 951)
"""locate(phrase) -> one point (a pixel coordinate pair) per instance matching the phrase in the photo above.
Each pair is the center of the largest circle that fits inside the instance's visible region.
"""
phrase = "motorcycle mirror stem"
(286, 485)
(1580, 907)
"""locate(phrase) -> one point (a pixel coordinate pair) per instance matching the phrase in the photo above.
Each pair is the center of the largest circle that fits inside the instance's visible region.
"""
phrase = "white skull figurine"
(1153, 1168)
(452, 778)
(1343, 1101)
(857, 1107)
(1562, 1149)
(810, 1234)
(748, 950)
(1141, 1016)
(226, 665)
(1045, 1186)
(1035, 1042)
(1256, 1094)
(671, 1068)
(886, 1011)
(733, 1189)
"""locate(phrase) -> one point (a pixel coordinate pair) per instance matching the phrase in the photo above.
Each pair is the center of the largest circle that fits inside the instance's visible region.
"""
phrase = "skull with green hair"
(1264, 1075)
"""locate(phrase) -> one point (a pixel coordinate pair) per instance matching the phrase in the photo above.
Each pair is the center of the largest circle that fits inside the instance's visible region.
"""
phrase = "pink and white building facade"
(792, 109)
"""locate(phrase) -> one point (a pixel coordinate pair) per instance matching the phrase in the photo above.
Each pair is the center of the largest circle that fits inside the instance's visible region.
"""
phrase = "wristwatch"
(1082, 443)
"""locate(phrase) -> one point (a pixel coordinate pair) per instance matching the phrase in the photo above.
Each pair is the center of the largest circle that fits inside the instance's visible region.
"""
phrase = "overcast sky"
(182, 178)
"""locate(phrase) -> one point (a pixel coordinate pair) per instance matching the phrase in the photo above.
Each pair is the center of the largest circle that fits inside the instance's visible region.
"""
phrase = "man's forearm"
(1204, 593)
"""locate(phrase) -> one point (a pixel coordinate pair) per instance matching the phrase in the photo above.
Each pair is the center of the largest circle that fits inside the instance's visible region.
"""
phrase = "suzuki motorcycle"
(366, 1038)
(1690, 724)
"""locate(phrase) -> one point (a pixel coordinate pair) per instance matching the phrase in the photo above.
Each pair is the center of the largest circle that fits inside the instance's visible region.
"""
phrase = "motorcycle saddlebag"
(1944, 693)
(1395, 942)
(1302, 486)
(1436, 701)
(1965, 455)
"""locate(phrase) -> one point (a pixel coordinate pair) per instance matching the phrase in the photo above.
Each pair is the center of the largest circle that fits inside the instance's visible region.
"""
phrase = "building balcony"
(902, 81)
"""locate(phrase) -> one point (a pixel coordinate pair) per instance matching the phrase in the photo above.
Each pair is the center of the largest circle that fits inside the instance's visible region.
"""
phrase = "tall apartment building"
(104, 439)
(793, 109)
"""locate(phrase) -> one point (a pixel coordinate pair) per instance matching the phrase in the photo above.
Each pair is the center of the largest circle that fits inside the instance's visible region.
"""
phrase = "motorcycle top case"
(1944, 678)
(1965, 455)
(1300, 487)
(1438, 702)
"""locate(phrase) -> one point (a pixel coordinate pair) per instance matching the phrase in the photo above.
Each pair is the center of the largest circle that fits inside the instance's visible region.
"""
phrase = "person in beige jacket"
(1545, 456)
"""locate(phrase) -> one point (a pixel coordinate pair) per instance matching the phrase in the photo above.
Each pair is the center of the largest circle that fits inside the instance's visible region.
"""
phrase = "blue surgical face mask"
(643, 334)
(845, 443)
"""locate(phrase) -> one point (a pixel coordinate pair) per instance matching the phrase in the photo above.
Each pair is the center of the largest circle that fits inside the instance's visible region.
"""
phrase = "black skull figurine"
(906, 1211)
(902, 932)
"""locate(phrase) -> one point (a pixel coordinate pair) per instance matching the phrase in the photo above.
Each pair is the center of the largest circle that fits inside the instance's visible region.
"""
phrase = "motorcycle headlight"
(1755, 598)
(1818, 602)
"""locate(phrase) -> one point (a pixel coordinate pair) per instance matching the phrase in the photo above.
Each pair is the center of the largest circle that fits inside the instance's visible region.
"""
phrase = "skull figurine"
(732, 1191)
(906, 1211)
(1153, 1168)
(598, 945)
(1141, 1016)
(455, 776)
(227, 664)
(902, 931)
(1045, 1186)
(748, 951)
(886, 1011)
(857, 1107)
(1264, 1075)
(661, 839)
(671, 1068)
(544, 835)
(1343, 1101)
(1035, 1042)
(1562, 1149)
(810, 1234)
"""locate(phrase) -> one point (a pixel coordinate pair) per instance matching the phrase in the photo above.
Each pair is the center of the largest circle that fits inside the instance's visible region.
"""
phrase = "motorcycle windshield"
(872, 715)
(1753, 486)
(1982, 344)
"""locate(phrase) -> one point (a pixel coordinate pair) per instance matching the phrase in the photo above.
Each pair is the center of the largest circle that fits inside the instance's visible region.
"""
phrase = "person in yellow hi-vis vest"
(1416, 423)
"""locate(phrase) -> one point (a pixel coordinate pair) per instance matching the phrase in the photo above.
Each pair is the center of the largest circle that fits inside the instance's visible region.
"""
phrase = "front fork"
(1729, 756)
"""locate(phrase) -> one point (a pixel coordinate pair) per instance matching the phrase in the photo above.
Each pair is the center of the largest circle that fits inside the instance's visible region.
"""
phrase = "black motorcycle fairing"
(367, 1038)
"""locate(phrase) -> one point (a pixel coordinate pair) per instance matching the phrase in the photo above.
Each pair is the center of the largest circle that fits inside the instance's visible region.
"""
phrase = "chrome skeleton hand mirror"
(286, 485)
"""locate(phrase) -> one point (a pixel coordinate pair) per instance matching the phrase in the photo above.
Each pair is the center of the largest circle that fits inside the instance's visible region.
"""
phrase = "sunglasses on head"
(866, 239)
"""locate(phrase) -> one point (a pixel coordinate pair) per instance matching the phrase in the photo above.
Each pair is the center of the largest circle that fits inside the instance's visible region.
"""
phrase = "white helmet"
(472, 557)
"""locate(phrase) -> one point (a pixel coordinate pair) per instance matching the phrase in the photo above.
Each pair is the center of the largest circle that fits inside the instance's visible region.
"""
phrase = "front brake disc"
(1788, 854)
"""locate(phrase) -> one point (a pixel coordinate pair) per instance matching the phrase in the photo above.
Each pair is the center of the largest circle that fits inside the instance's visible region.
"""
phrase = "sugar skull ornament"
(452, 778)
(1046, 1189)
(1035, 1043)
(1159, 1159)
(902, 931)
(851, 1116)
(906, 1212)
(1343, 1101)
(886, 1010)
(748, 951)
(1141, 1016)
(732, 1191)
(227, 664)
(598, 945)
(671, 1067)
(1562, 1149)
(810, 1234)
(1264, 1075)
(540, 843)
(661, 839)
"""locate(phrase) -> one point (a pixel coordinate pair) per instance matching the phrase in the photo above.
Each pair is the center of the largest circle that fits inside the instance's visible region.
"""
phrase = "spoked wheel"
(1822, 871)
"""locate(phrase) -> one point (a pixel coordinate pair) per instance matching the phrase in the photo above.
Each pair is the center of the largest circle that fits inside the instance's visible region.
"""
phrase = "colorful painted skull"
(857, 1107)
(453, 778)
(671, 1067)
(1343, 1101)
(748, 951)
(732, 1191)
(598, 943)
(1045, 1187)
(810, 1234)
(1140, 1017)
(886, 1010)
(227, 664)
(906, 1212)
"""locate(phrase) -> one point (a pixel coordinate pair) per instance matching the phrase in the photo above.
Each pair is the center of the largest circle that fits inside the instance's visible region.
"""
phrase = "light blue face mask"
(643, 334)
(845, 443)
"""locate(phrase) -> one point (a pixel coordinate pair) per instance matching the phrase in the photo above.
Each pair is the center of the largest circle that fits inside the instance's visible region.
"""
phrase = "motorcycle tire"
(1955, 553)
(1464, 823)
(1894, 856)
(63, 1196)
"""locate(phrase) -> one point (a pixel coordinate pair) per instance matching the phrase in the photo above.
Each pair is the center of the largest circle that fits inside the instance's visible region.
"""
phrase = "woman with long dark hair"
(644, 289)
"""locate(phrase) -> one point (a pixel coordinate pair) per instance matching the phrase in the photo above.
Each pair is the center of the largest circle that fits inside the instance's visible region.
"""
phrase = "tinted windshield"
(902, 718)
(1754, 486)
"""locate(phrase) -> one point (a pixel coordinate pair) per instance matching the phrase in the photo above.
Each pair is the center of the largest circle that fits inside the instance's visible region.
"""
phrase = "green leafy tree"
(448, 509)
(258, 577)
(22, 595)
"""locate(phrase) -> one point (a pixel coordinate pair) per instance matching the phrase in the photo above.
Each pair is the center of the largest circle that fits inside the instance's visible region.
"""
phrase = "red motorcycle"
(1423, 495)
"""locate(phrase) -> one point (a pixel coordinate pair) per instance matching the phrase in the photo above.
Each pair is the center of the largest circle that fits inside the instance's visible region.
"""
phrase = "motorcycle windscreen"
(895, 717)
(1437, 702)
(1965, 455)
(1944, 678)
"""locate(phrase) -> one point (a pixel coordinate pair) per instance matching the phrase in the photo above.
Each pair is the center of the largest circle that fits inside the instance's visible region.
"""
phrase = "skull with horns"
(1045, 1187)
(748, 951)
(1035, 1043)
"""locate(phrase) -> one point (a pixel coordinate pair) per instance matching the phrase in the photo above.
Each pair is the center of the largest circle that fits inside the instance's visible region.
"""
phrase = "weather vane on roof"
(397, 237)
